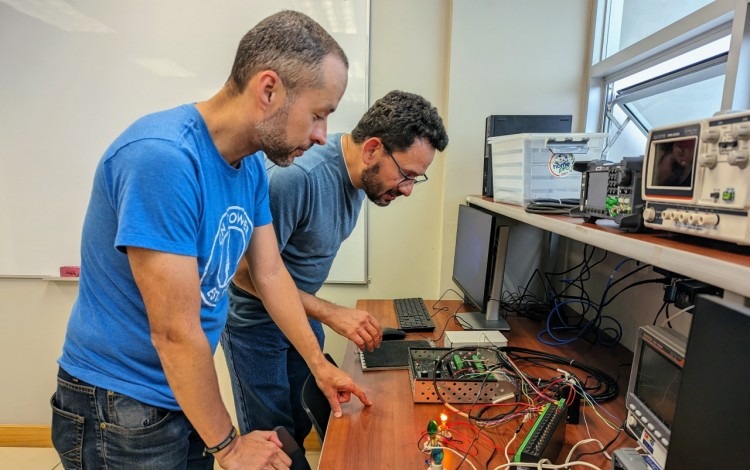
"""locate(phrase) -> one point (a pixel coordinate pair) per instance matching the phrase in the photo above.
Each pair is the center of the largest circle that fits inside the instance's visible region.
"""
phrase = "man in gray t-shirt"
(315, 204)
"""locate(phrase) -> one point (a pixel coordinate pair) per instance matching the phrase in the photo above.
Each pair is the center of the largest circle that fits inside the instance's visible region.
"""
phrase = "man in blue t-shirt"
(315, 204)
(177, 200)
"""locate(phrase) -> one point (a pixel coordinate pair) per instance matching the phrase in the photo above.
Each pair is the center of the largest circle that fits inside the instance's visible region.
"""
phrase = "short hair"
(398, 119)
(290, 43)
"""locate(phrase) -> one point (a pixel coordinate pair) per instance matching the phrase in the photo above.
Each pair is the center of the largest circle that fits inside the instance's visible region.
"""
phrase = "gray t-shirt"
(314, 208)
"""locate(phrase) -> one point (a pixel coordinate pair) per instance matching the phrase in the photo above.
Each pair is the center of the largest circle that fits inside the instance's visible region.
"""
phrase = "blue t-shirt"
(162, 185)
(315, 208)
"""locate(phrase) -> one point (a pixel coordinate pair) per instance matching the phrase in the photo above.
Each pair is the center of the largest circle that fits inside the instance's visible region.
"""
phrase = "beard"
(374, 189)
(273, 137)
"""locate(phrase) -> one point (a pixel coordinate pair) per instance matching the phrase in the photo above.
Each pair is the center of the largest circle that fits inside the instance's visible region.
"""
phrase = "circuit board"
(465, 375)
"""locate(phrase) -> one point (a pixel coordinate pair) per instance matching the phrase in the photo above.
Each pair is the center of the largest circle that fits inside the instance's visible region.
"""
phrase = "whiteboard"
(76, 73)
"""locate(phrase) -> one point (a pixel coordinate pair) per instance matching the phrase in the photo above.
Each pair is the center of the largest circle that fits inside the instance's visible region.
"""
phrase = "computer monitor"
(478, 266)
(712, 421)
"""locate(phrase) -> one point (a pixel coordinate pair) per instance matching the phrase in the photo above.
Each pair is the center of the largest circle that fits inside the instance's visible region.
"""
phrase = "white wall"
(507, 57)
(33, 315)
(471, 58)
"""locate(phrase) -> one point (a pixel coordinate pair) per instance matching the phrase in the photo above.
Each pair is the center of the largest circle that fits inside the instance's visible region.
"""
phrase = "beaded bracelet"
(221, 445)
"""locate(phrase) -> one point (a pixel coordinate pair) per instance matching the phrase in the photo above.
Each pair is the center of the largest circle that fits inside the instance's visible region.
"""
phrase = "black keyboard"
(412, 315)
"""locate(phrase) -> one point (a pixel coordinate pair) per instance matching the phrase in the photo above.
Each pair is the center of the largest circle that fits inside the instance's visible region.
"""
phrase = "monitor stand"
(478, 321)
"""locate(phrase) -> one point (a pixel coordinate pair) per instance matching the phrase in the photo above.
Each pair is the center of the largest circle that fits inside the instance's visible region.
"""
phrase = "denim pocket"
(67, 436)
(138, 435)
(130, 416)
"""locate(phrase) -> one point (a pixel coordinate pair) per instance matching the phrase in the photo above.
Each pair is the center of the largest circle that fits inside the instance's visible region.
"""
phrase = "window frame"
(707, 24)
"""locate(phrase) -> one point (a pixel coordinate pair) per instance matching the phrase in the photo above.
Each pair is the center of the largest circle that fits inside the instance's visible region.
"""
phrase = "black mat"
(391, 354)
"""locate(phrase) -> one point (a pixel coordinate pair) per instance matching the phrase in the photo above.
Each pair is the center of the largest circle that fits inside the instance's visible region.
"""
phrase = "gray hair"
(290, 43)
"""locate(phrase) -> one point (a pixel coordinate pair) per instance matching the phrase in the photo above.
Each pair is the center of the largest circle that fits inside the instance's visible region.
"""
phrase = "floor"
(28, 458)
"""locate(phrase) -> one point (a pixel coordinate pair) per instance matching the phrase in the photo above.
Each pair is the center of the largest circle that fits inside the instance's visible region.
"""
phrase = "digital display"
(658, 383)
(673, 163)
(596, 192)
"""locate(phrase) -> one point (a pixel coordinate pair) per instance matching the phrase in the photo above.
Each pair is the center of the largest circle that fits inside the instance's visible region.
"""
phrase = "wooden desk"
(385, 435)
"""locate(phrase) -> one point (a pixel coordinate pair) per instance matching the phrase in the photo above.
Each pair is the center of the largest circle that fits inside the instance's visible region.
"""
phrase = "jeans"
(267, 375)
(97, 428)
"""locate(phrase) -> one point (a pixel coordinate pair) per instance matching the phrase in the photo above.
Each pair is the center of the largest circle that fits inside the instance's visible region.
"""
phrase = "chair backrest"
(316, 404)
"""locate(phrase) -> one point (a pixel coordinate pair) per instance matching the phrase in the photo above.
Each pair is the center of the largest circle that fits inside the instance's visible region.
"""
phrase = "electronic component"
(412, 315)
(696, 178)
(612, 191)
(436, 455)
(487, 338)
(651, 399)
(631, 459)
(463, 376)
(545, 439)
(686, 290)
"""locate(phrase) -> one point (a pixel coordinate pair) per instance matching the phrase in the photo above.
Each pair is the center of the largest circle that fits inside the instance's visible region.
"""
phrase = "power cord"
(552, 206)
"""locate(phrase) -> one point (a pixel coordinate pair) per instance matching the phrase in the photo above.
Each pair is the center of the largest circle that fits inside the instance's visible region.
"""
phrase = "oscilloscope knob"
(741, 130)
(710, 136)
(708, 160)
(649, 214)
(708, 220)
(623, 176)
(739, 158)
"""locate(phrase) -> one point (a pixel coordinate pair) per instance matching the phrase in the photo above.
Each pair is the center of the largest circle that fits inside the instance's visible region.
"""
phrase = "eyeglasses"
(407, 179)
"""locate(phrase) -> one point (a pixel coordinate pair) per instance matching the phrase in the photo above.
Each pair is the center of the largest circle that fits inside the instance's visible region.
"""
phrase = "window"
(629, 21)
(659, 62)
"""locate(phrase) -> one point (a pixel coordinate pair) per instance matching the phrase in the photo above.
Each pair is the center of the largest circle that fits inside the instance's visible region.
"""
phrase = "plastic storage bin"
(540, 166)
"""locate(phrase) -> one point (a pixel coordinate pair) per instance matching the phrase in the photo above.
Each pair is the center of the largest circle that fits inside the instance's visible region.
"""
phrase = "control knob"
(649, 214)
(623, 177)
(710, 136)
(741, 130)
(739, 158)
(710, 220)
(632, 422)
(708, 160)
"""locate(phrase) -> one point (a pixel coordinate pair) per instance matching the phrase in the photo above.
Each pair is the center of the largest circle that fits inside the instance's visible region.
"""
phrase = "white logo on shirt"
(229, 245)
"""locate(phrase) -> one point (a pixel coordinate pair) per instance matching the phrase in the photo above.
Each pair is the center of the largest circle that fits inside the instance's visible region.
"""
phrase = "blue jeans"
(267, 375)
(97, 428)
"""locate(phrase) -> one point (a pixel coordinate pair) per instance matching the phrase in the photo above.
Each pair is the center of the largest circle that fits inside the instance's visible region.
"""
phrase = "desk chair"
(316, 404)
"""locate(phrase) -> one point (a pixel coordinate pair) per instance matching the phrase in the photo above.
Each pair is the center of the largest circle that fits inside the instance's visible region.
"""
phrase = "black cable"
(635, 284)
(552, 206)
(605, 382)
(666, 314)
(663, 306)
